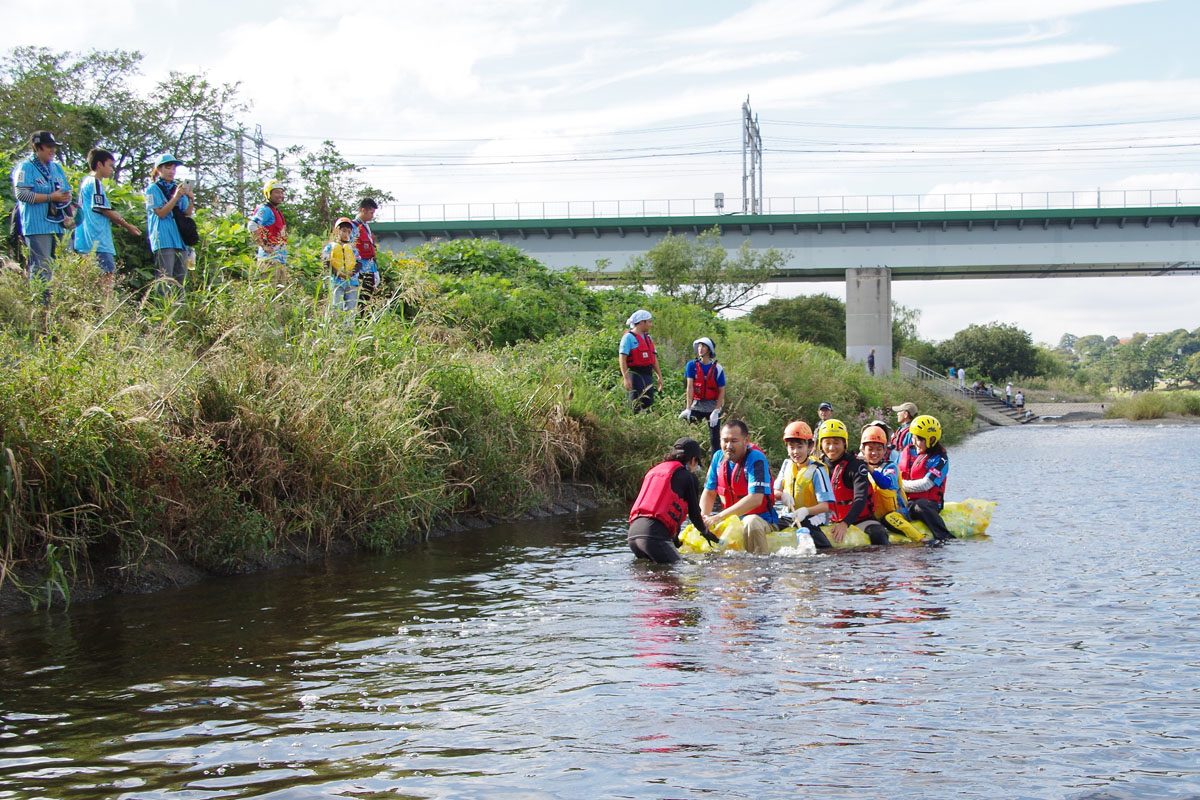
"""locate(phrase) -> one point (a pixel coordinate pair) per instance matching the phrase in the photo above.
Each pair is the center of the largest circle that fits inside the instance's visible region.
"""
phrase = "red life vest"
(913, 467)
(704, 387)
(275, 234)
(732, 485)
(643, 356)
(658, 500)
(897, 442)
(843, 495)
(365, 241)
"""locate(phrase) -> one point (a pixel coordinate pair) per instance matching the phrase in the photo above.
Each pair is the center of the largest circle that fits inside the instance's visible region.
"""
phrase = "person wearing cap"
(740, 475)
(341, 256)
(43, 195)
(668, 494)
(163, 196)
(901, 439)
(824, 412)
(639, 361)
(269, 229)
(705, 390)
(93, 233)
(364, 240)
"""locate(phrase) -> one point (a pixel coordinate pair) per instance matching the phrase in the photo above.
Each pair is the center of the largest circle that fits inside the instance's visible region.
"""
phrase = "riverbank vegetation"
(244, 418)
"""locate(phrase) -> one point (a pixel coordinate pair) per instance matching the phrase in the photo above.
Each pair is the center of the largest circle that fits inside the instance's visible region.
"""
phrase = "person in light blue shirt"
(44, 201)
(93, 230)
(163, 195)
(269, 228)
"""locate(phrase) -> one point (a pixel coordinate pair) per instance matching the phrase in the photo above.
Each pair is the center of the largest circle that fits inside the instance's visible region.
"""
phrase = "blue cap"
(166, 158)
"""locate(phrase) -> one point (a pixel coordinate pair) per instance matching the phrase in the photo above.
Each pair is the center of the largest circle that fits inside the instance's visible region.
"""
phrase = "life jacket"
(897, 440)
(658, 500)
(733, 486)
(342, 260)
(885, 501)
(642, 357)
(704, 387)
(843, 495)
(365, 241)
(275, 234)
(914, 467)
(798, 482)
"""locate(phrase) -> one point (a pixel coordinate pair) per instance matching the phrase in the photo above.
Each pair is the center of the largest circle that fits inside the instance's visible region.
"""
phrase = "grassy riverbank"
(1155, 405)
(245, 419)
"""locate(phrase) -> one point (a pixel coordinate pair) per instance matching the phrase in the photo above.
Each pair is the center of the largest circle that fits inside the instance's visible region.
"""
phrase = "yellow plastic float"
(966, 519)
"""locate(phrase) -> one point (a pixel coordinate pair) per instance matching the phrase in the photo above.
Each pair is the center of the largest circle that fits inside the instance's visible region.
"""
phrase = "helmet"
(927, 428)
(798, 430)
(343, 221)
(271, 186)
(832, 429)
(712, 348)
(873, 433)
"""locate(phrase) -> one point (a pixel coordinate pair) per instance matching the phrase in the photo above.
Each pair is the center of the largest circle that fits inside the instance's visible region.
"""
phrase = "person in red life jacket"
(269, 229)
(924, 468)
(669, 493)
(705, 390)
(901, 440)
(853, 501)
(639, 361)
(740, 475)
(364, 240)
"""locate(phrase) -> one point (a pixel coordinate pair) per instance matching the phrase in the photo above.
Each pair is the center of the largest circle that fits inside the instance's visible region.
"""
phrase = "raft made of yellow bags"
(966, 519)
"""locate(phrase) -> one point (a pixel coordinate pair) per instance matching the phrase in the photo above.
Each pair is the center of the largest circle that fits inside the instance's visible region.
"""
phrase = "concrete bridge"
(867, 249)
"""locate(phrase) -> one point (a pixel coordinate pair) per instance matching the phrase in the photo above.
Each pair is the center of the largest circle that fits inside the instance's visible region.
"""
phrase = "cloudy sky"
(548, 100)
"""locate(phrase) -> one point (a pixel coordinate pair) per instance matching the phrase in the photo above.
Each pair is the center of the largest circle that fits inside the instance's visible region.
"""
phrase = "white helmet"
(712, 348)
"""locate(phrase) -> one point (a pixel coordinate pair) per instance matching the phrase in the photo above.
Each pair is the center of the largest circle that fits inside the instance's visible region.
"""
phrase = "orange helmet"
(873, 433)
(798, 430)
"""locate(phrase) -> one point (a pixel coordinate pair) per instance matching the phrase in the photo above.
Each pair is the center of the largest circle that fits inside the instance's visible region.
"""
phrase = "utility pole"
(752, 200)
(241, 169)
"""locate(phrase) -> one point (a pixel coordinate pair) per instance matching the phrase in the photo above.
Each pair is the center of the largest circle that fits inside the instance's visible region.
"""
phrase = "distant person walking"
(639, 361)
(871, 362)
(1008, 395)
(962, 379)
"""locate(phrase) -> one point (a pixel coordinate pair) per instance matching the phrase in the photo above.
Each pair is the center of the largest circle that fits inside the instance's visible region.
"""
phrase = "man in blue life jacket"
(741, 477)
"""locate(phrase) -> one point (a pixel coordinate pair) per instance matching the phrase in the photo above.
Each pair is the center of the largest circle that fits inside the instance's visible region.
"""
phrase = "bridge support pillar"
(869, 316)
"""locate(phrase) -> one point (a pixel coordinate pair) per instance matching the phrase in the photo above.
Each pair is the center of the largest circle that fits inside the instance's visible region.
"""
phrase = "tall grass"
(1156, 405)
(244, 417)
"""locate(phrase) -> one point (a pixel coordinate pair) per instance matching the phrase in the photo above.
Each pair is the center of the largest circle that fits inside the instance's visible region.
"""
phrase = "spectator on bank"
(163, 196)
(1020, 400)
(93, 231)
(269, 229)
(1008, 395)
(364, 240)
(962, 379)
(43, 196)
(871, 362)
(639, 361)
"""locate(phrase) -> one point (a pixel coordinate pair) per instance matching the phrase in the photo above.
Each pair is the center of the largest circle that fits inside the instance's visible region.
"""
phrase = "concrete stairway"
(988, 408)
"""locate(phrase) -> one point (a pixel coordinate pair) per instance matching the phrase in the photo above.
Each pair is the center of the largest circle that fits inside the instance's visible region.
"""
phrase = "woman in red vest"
(639, 361)
(705, 390)
(669, 493)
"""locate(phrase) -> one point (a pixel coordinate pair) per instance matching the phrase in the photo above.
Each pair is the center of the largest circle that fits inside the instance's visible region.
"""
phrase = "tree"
(702, 272)
(331, 190)
(816, 318)
(996, 350)
(1067, 342)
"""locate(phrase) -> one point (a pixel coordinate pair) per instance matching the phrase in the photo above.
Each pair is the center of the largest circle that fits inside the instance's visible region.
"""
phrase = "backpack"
(188, 232)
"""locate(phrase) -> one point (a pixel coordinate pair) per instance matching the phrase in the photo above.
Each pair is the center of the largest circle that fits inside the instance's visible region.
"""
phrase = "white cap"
(712, 348)
(641, 315)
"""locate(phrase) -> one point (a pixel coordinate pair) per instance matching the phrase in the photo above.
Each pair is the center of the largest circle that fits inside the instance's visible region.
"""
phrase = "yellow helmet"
(271, 186)
(832, 429)
(927, 428)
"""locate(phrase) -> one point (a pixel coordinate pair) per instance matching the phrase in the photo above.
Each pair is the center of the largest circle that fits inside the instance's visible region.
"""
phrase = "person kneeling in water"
(802, 483)
(669, 492)
(887, 491)
(740, 475)
(925, 467)
(851, 480)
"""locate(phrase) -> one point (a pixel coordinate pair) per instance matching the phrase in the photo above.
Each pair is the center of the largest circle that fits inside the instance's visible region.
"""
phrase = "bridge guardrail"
(836, 204)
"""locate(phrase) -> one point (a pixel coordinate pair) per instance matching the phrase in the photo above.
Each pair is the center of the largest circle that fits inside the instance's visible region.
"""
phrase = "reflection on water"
(1059, 658)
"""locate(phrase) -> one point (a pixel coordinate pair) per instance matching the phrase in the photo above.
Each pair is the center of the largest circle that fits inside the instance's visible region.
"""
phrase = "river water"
(1058, 658)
